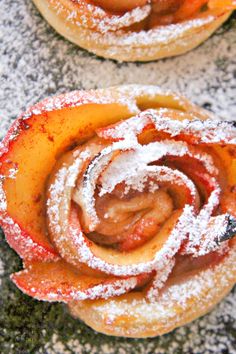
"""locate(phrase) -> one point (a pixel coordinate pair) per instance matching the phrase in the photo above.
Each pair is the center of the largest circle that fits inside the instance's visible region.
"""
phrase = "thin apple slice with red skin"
(23, 243)
(121, 5)
(170, 123)
(59, 281)
(196, 172)
(187, 265)
(228, 200)
(204, 182)
(32, 147)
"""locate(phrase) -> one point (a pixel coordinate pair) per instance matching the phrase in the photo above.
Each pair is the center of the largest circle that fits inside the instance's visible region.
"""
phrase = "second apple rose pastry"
(136, 30)
(122, 204)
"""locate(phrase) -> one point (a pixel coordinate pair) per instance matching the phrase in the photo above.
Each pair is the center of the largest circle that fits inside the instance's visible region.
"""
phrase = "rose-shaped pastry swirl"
(137, 29)
(124, 204)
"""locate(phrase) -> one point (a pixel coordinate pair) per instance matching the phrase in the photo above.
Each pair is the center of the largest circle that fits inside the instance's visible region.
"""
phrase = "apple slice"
(59, 281)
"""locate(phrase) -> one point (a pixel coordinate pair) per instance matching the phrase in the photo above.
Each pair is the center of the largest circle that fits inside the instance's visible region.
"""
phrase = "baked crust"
(123, 45)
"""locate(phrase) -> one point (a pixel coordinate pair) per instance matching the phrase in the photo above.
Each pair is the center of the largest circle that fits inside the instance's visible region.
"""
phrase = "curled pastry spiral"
(132, 206)
(136, 30)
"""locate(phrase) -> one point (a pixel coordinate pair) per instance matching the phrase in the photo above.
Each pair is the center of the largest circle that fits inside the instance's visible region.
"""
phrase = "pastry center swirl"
(139, 193)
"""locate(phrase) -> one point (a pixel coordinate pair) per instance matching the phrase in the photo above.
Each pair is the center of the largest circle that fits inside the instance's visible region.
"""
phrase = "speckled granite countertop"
(35, 62)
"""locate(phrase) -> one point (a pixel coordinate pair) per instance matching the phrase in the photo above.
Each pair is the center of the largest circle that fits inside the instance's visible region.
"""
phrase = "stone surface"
(35, 62)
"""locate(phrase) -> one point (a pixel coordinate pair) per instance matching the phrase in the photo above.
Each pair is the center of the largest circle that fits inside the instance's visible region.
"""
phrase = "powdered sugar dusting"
(56, 191)
(196, 75)
(134, 161)
(98, 19)
(88, 15)
(180, 294)
(105, 291)
(207, 131)
(159, 281)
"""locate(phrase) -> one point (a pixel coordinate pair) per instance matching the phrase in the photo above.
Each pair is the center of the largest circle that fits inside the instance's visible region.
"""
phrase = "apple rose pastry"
(136, 30)
(122, 204)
